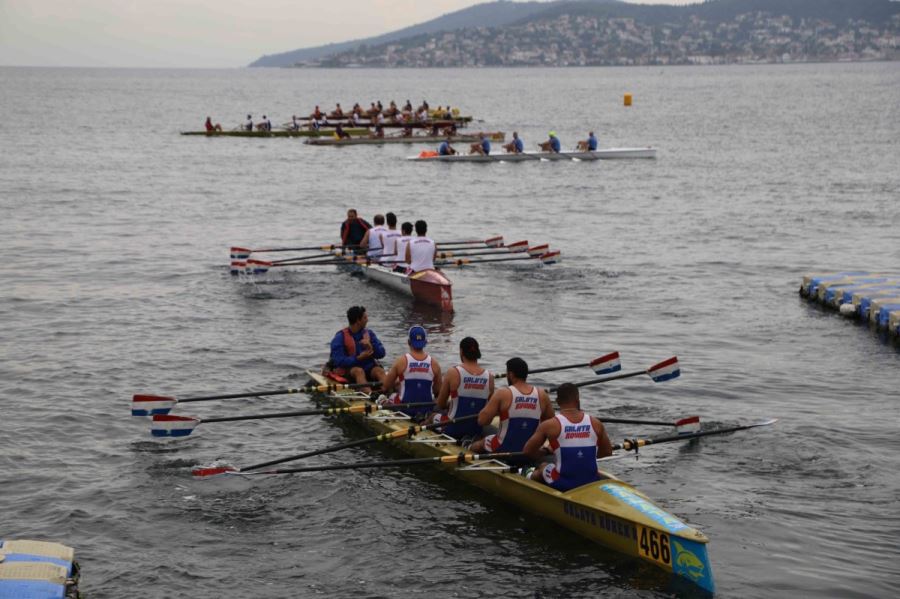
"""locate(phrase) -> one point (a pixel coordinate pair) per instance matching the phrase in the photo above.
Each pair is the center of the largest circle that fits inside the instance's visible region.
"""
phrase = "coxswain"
(421, 250)
(416, 375)
(406, 230)
(353, 230)
(355, 350)
(389, 239)
(521, 408)
(210, 127)
(589, 144)
(464, 392)
(445, 149)
(552, 144)
(576, 439)
(516, 146)
(249, 125)
(339, 132)
(482, 146)
(372, 240)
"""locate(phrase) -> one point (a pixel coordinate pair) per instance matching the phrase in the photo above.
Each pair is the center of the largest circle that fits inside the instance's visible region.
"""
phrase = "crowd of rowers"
(562, 446)
(385, 244)
(517, 146)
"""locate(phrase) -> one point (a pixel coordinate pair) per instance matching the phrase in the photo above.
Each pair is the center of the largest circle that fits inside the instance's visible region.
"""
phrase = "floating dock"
(867, 296)
(37, 570)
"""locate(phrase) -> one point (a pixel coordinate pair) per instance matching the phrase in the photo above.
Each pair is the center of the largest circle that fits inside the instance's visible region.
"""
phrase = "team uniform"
(402, 242)
(518, 423)
(575, 451)
(416, 384)
(421, 253)
(375, 241)
(519, 145)
(444, 148)
(592, 143)
(468, 398)
(389, 238)
(555, 145)
(486, 146)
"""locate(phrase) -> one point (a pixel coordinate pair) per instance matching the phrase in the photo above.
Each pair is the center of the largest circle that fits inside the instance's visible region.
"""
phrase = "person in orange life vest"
(355, 350)
(416, 375)
(521, 408)
(353, 229)
(465, 391)
(576, 440)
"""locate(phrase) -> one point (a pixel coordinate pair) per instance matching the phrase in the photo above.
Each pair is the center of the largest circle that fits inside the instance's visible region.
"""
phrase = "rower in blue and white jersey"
(576, 440)
(389, 239)
(372, 239)
(521, 408)
(464, 392)
(415, 375)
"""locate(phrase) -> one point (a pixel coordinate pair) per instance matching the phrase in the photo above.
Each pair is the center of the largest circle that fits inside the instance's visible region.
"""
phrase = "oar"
(548, 258)
(603, 365)
(323, 256)
(684, 426)
(460, 458)
(496, 241)
(664, 371)
(323, 247)
(410, 432)
(148, 405)
(635, 444)
(167, 425)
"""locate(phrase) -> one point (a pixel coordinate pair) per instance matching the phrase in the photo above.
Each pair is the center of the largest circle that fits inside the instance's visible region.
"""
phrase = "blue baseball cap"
(417, 337)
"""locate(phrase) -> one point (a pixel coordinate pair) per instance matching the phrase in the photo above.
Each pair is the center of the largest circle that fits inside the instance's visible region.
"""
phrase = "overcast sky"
(197, 33)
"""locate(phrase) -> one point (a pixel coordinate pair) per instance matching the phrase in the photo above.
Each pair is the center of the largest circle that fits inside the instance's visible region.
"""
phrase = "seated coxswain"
(464, 392)
(589, 144)
(552, 144)
(371, 241)
(576, 439)
(516, 146)
(421, 250)
(353, 230)
(355, 351)
(521, 408)
(416, 375)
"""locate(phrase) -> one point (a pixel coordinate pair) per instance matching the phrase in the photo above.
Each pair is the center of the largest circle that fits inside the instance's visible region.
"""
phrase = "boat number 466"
(654, 545)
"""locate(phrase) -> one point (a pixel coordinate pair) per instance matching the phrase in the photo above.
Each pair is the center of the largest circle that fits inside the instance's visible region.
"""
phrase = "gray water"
(116, 231)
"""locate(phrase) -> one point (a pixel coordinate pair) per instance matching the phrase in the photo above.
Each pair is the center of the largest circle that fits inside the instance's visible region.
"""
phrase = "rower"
(249, 125)
(465, 391)
(317, 114)
(355, 350)
(445, 149)
(417, 375)
(295, 125)
(337, 113)
(389, 239)
(210, 127)
(482, 146)
(353, 229)
(516, 146)
(520, 407)
(421, 250)
(576, 440)
(589, 144)
(406, 230)
(372, 239)
(552, 144)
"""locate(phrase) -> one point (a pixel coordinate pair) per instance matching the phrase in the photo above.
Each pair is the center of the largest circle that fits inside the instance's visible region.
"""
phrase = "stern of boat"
(431, 286)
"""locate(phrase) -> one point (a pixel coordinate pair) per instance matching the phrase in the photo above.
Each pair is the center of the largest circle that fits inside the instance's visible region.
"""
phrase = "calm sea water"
(117, 232)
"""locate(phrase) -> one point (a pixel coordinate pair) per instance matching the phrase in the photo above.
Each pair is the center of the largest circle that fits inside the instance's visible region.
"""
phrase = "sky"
(197, 33)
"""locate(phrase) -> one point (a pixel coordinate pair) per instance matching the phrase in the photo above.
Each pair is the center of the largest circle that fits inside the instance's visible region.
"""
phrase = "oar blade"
(518, 247)
(148, 405)
(688, 425)
(606, 364)
(553, 257)
(213, 471)
(166, 425)
(665, 370)
(494, 242)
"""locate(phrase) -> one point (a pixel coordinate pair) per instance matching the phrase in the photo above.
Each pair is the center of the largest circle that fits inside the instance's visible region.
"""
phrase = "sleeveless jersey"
(421, 253)
(519, 422)
(416, 382)
(575, 451)
(467, 399)
(375, 242)
(388, 237)
(402, 242)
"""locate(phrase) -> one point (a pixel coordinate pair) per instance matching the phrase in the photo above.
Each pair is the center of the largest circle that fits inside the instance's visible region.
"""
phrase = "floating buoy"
(848, 309)
(627, 99)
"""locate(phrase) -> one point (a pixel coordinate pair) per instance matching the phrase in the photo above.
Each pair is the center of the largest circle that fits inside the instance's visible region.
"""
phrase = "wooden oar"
(635, 444)
(167, 425)
(409, 432)
(661, 372)
(460, 458)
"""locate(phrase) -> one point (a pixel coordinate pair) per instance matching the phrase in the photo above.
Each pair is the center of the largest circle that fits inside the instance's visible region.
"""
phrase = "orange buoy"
(627, 99)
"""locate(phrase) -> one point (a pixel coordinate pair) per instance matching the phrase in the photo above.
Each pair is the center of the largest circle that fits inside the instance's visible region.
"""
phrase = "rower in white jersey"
(421, 250)
(389, 239)
(372, 238)
(576, 440)
(402, 265)
(464, 392)
(521, 408)
(416, 375)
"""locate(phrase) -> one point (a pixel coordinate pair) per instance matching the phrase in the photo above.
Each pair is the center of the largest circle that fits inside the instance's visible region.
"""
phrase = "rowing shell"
(353, 141)
(609, 512)
(429, 286)
(605, 154)
(277, 133)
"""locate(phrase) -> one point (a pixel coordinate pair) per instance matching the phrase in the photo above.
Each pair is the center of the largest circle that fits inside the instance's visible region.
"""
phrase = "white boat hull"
(604, 154)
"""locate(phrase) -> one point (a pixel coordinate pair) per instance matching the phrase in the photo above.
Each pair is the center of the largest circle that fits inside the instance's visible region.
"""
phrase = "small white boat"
(604, 154)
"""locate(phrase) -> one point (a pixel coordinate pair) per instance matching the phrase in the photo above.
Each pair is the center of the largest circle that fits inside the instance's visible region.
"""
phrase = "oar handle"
(632, 444)
(461, 458)
(348, 410)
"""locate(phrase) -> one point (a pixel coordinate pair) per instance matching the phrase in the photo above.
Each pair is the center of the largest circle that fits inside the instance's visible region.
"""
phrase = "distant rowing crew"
(517, 146)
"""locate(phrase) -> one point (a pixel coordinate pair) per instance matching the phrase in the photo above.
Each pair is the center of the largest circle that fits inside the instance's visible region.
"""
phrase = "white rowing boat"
(429, 286)
(605, 154)
(411, 139)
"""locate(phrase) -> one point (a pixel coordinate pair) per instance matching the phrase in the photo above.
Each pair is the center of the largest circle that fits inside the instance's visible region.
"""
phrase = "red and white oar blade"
(494, 242)
(665, 370)
(518, 246)
(551, 257)
(688, 425)
(538, 250)
(239, 257)
(148, 405)
(606, 364)
(213, 471)
(166, 425)
(257, 267)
